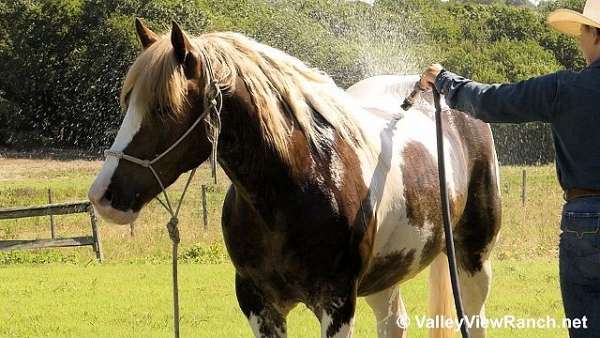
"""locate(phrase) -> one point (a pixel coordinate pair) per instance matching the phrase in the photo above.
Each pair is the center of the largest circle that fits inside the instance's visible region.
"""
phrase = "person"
(570, 102)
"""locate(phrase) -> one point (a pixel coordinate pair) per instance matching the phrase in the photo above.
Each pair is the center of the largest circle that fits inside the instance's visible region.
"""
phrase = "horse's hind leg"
(265, 319)
(476, 235)
(474, 289)
(390, 313)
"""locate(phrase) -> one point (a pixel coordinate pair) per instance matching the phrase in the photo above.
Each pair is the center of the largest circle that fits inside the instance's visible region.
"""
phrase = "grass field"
(134, 300)
(129, 296)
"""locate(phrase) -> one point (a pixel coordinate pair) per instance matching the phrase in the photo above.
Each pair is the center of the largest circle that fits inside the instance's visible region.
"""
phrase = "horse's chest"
(289, 271)
(298, 253)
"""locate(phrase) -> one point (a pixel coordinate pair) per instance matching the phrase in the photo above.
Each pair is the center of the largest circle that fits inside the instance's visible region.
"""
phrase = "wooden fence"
(49, 210)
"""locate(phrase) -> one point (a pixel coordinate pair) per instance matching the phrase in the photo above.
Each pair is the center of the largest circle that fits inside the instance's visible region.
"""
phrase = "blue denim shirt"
(570, 101)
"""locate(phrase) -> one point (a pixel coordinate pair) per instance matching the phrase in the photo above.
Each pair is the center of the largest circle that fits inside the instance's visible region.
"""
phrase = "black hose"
(450, 251)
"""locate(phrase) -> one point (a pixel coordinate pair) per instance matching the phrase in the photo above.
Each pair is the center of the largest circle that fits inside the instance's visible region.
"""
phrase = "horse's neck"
(313, 192)
(253, 166)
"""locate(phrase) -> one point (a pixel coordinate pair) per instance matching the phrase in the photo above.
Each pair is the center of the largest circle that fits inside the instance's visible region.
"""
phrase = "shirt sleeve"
(526, 101)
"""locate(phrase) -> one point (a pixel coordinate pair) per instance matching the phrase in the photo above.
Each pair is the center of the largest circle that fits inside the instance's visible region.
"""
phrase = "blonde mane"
(281, 87)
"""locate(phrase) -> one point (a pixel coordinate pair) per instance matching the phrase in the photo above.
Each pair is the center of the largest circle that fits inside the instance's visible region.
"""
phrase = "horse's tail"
(441, 301)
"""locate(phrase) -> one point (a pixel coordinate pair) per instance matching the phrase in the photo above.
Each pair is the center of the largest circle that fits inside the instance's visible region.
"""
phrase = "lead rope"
(212, 113)
(213, 106)
(172, 227)
(214, 127)
(213, 130)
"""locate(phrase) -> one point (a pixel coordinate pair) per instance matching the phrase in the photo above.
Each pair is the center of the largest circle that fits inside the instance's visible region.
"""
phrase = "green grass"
(64, 293)
(134, 300)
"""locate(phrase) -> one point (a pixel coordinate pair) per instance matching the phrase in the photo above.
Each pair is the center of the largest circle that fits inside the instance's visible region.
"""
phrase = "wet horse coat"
(358, 224)
(334, 194)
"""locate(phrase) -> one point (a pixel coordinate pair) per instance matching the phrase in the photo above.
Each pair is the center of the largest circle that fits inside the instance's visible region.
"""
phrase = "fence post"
(52, 233)
(204, 211)
(95, 234)
(524, 188)
(132, 229)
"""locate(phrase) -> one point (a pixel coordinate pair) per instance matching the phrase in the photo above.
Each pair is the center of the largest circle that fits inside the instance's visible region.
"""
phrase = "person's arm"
(526, 101)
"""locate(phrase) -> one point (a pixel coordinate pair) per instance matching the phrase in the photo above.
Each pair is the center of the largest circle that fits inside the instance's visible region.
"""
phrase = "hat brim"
(569, 22)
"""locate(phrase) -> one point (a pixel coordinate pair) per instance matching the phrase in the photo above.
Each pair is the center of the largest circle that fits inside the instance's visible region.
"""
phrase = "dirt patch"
(14, 169)
(49, 154)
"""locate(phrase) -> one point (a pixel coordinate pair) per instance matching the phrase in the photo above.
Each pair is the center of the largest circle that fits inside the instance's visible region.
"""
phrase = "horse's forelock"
(157, 81)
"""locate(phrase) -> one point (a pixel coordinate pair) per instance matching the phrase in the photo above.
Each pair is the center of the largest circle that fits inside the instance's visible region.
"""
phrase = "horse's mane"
(281, 87)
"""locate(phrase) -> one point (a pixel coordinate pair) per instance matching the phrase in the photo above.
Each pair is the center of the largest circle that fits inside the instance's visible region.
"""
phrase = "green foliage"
(213, 253)
(501, 61)
(529, 143)
(62, 62)
(550, 5)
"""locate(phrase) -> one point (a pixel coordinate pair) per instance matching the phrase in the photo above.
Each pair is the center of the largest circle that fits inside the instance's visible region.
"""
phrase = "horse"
(334, 193)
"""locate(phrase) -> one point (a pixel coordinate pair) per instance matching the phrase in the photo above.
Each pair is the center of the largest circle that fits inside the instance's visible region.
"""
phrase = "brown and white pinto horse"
(334, 194)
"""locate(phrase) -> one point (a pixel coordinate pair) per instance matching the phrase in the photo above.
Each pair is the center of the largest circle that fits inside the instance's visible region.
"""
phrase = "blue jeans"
(579, 264)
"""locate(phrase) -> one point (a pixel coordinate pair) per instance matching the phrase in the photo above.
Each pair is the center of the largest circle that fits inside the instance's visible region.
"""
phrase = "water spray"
(450, 251)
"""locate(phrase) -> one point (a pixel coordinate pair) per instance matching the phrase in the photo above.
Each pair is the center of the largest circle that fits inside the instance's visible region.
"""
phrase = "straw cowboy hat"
(568, 21)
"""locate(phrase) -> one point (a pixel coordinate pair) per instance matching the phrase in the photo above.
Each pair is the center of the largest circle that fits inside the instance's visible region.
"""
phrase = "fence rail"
(45, 210)
(49, 210)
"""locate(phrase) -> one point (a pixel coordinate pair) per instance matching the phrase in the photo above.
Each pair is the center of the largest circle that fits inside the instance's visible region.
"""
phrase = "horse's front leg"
(266, 319)
(337, 316)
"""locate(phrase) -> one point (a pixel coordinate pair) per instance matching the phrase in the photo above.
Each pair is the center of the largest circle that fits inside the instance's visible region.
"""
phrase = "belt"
(579, 192)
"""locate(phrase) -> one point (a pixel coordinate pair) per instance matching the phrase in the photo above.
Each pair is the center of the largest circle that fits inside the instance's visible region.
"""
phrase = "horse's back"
(382, 117)
(383, 93)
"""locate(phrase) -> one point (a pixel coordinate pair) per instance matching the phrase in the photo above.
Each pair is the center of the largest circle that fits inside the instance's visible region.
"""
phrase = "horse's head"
(163, 97)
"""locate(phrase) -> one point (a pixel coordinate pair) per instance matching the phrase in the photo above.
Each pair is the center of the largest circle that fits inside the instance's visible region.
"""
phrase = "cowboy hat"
(568, 21)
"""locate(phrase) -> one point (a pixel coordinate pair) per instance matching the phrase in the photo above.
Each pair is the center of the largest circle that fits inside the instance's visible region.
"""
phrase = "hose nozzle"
(409, 101)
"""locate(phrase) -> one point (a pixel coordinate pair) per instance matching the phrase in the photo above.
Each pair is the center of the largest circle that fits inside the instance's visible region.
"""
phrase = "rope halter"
(213, 104)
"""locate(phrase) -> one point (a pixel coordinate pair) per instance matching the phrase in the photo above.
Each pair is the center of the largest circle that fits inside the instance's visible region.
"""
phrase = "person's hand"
(429, 75)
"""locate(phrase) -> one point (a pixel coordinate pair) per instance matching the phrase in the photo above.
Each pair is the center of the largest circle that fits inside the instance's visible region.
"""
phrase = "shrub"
(62, 61)
(213, 253)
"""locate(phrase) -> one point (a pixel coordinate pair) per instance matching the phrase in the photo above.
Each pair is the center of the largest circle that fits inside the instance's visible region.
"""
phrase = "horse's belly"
(400, 252)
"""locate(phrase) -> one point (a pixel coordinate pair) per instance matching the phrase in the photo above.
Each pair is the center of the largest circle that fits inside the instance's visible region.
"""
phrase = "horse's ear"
(182, 48)
(147, 37)
(181, 44)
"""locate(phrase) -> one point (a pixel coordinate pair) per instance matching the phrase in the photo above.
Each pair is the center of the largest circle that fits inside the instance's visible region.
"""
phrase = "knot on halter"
(174, 230)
